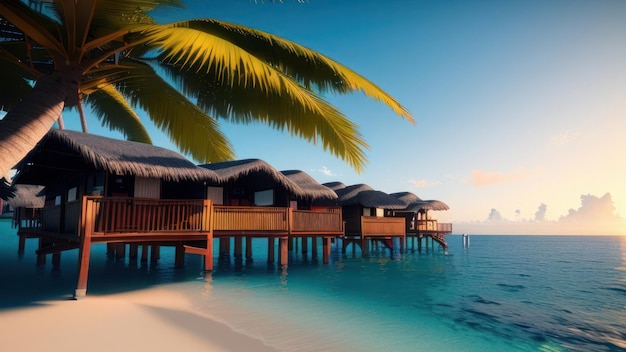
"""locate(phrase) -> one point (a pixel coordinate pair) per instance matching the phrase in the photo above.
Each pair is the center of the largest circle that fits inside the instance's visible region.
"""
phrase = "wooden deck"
(189, 225)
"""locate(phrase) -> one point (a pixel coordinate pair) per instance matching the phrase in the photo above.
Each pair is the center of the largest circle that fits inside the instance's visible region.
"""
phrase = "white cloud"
(562, 139)
(422, 183)
(326, 171)
(487, 178)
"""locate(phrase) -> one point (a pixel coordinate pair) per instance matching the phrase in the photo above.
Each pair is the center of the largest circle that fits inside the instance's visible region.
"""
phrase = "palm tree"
(112, 56)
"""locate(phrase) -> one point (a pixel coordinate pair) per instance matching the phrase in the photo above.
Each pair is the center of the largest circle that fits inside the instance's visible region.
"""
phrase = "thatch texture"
(62, 151)
(27, 196)
(256, 173)
(365, 196)
(428, 205)
(308, 184)
(334, 185)
(407, 198)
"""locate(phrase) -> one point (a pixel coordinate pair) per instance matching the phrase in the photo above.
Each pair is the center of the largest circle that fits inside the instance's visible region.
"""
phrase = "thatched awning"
(428, 205)
(255, 170)
(63, 151)
(27, 196)
(334, 185)
(365, 196)
(407, 198)
(308, 184)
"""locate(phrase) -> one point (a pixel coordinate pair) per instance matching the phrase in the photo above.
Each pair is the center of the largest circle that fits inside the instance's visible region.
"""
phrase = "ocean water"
(502, 293)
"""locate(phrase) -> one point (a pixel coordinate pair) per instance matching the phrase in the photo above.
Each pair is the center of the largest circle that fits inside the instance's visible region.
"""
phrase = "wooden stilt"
(144, 253)
(21, 244)
(305, 244)
(41, 258)
(56, 261)
(155, 253)
(284, 250)
(248, 247)
(326, 249)
(83, 267)
(238, 247)
(120, 250)
(270, 249)
(313, 247)
(133, 249)
(208, 257)
(179, 256)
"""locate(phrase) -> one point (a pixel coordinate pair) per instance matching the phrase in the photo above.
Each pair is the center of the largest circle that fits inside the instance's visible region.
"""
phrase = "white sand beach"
(154, 319)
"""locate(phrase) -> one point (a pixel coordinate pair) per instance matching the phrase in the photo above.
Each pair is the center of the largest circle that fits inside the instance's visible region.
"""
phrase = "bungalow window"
(71, 194)
(264, 197)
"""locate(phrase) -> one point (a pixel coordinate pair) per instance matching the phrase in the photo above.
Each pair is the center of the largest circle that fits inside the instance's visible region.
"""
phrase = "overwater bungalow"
(419, 224)
(101, 190)
(254, 200)
(363, 214)
(26, 202)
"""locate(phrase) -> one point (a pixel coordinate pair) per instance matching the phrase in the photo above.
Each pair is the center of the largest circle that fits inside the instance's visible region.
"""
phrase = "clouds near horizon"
(482, 178)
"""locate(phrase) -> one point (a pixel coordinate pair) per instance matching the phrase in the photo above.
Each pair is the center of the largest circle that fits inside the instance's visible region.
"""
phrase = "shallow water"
(503, 293)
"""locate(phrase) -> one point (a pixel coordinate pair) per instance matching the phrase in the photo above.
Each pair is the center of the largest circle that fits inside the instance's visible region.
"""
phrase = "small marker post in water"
(466, 240)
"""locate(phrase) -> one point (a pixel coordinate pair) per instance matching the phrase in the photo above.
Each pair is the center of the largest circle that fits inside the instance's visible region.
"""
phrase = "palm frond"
(191, 130)
(283, 112)
(34, 25)
(116, 114)
(306, 66)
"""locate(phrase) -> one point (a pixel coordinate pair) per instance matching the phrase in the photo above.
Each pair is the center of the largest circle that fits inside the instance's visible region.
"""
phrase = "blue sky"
(517, 103)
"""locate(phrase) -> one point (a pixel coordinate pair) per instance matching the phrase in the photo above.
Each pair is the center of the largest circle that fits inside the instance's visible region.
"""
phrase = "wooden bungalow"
(363, 214)
(419, 224)
(26, 202)
(254, 200)
(101, 190)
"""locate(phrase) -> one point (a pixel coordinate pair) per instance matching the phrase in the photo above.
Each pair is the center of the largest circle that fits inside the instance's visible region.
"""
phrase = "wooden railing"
(447, 227)
(382, 226)
(426, 225)
(51, 218)
(236, 218)
(139, 215)
(304, 221)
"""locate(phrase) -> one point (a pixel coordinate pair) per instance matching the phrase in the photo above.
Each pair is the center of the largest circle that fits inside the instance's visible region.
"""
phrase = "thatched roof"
(364, 195)
(26, 196)
(428, 205)
(334, 185)
(308, 183)
(257, 172)
(407, 198)
(66, 152)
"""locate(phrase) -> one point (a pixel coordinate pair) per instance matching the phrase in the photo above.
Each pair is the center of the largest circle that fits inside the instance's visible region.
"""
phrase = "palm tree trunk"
(26, 124)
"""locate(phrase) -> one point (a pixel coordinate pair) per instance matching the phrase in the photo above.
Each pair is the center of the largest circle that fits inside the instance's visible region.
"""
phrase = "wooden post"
(284, 250)
(326, 249)
(132, 251)
(248, 247)
(179, 256)
(144, 253)
(270, 249)
(21, 244)
(84, 252)
(155, 253)
(238, 247)
(41, 258)
(56, 261)
(313, 246)
(208, 257)
(305, 244)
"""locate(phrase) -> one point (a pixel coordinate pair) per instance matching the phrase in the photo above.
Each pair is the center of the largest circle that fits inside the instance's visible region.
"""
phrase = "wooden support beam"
(270, 249)
(238, 247)
(248, 247)
(326, 249)
(284, 250)
(84, 252)
(57, 247)
(179, 256)
(313, 246)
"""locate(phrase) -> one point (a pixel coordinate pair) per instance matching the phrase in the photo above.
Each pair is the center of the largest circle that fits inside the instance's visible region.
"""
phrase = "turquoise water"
(503, 293)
